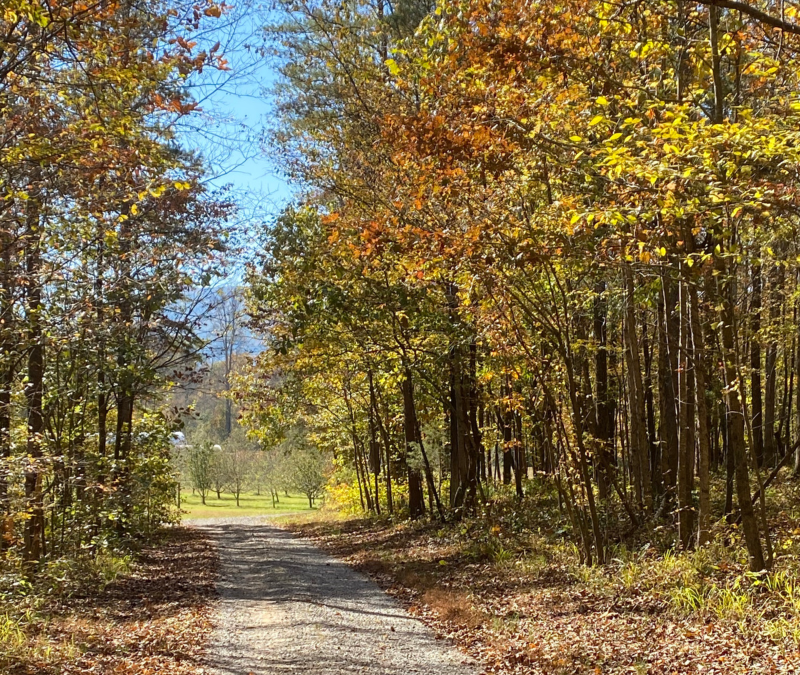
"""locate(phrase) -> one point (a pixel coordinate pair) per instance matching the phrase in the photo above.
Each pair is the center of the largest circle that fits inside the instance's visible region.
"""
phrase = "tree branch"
(757, 14)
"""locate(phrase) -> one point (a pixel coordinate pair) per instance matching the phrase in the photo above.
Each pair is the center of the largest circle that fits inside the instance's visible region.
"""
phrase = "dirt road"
(287, 607)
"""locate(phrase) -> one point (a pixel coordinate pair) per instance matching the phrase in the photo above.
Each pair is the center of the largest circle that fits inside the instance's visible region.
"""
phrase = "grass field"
(250, 505)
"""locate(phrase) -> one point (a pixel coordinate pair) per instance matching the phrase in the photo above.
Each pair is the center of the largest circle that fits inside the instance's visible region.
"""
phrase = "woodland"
(540, 241)
(107, 231)
(533, 304)
(541, 287)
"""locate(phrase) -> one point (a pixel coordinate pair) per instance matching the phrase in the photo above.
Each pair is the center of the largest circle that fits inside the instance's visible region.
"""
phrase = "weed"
(107, 567)
(687, 599)
(11, 636)
(783, 630)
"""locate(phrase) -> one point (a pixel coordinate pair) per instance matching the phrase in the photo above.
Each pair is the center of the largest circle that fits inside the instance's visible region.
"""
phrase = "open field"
(250, 504)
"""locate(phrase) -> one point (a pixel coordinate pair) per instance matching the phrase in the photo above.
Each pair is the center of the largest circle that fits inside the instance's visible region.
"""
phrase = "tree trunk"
(640, 460)
(476, 445)
(387, 443)
(736, 419)
(356, 460)
(464, 440)
(649, 400)
(7, 371)
(458, 458)
(796, 470)
(374, 446)
(520, 463)
(757, 409)
(667, 365)
(687, 410)
(504, 421)
(416, 501)
(604, 412)
(777, 278)
(704, 445)
(583, 464)
(34, 390)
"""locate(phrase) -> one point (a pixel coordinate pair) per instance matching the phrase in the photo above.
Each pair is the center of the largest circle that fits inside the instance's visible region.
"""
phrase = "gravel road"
(287, 607)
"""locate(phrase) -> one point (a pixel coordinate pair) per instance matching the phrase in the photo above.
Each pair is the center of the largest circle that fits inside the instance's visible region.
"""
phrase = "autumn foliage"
(541, 238)
(105, 229)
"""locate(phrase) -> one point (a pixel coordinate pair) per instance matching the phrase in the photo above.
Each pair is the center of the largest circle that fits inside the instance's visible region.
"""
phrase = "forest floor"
(519, 603)
(153, 618)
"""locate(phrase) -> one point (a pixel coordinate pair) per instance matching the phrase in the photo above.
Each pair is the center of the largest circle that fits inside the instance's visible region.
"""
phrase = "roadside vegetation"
(148, 613)
(109, 241)
(538, 300)
(507, 585)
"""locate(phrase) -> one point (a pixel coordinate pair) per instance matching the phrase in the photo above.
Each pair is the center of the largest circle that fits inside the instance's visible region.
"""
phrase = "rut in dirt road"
(287, 607)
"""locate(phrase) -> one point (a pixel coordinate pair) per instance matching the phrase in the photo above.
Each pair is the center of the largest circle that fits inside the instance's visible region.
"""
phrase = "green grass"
(250, 504)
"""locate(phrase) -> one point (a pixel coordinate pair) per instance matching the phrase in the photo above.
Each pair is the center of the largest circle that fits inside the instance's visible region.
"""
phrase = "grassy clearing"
(324, 514)
(250, 504)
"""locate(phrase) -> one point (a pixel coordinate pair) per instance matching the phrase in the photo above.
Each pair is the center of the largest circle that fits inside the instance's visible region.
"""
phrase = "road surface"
(287, 607)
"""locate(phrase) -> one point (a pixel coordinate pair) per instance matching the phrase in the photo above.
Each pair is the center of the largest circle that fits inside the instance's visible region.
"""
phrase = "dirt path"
(287, 607)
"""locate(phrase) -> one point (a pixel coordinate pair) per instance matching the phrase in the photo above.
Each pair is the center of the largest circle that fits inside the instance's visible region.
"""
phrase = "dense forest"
(549, 246)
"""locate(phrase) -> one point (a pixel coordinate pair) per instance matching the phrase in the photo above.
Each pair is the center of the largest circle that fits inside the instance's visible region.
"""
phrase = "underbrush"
(29, 608)
(711, 583)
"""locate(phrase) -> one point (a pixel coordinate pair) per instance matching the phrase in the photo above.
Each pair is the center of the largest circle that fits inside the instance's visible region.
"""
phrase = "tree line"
(106, 230)
(550, 239)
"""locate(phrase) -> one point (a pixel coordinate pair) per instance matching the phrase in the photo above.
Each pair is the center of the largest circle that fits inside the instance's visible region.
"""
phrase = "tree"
(238, 463)
(201, 467)
(105, 228)
(577, 254)
(307, 473)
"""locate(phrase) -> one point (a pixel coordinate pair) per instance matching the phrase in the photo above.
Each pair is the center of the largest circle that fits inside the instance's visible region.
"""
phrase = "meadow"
(250, 504)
